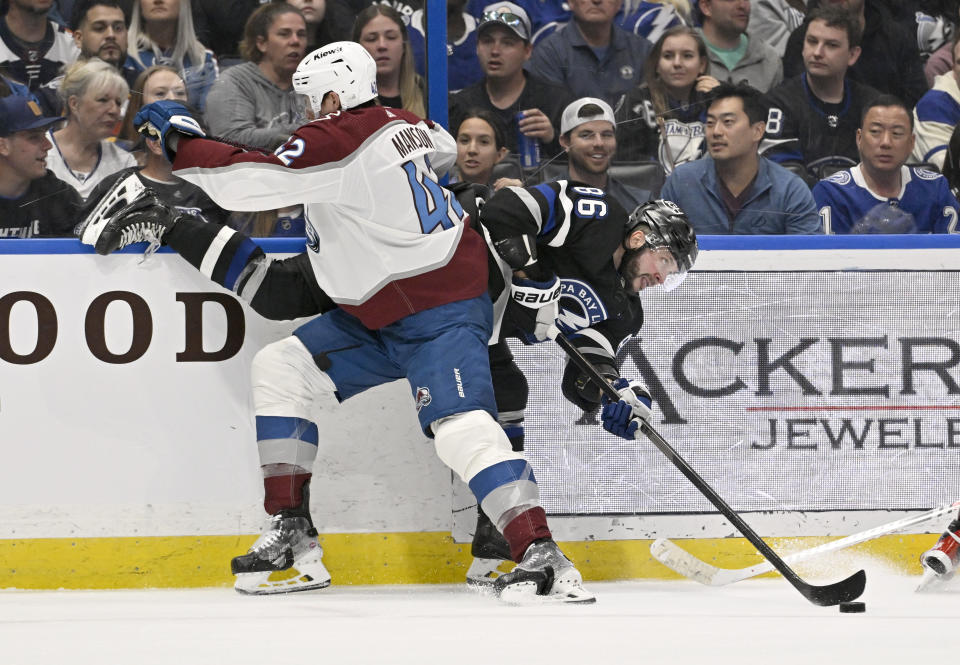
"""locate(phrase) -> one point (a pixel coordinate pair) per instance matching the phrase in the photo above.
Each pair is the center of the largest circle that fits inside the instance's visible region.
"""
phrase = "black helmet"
(666, 225)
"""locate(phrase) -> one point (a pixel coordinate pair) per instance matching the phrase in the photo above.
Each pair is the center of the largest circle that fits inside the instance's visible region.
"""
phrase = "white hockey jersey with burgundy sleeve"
(384, 238)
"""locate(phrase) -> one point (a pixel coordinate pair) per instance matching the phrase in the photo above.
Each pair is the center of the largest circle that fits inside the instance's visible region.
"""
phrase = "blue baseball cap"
(18, 114)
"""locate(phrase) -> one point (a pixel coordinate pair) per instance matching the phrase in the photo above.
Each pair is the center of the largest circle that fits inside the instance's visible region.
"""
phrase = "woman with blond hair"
(663, 119)
(161, 33)
(380, 29)
(92, 92)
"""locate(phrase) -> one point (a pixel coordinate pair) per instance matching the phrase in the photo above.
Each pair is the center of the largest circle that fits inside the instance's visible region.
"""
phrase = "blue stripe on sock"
(240, 258)
(512, 430)
(498, 475)
(282, 427)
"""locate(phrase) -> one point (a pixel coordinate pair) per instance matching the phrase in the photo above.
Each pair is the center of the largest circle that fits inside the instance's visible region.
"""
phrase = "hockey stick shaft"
(832, 594)
(688, 565)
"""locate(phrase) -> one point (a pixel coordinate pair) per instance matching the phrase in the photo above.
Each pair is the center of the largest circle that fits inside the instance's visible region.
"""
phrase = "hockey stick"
(681, 561)
(831, 594)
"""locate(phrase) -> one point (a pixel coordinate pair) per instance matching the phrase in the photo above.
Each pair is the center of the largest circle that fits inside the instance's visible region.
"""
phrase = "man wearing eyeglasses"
(503, 46)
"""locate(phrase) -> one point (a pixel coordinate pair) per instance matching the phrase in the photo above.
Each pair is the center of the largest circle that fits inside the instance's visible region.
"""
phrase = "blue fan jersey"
(844, 198)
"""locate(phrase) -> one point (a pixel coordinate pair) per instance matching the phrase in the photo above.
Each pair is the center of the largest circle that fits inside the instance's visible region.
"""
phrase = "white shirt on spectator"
(112, 159)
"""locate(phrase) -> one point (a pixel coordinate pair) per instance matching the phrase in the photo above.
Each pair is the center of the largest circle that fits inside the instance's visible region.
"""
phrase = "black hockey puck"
(854, 607)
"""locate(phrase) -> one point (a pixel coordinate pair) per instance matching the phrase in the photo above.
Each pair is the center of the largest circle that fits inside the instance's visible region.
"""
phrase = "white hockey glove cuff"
(538, 306)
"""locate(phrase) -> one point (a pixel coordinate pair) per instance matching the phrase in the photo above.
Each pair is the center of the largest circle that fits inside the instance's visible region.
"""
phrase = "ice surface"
(759, 621)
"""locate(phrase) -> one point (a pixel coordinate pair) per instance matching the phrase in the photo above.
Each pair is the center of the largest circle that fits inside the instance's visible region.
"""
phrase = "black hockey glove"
(147, 219)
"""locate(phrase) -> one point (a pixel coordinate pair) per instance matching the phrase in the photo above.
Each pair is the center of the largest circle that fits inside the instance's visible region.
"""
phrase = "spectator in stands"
(890, 61)
(591, 56)
(647, 18)
(503, 46)
(463, 67)
(814, 117)
(937, 113)
(33, 202)
(733, 190)
(161, 33)
(100, 30)
(254, 103)
(772, 21)
(33, 49)
(156, 83)
(92, 93)
(734, 56)
(481, 145)
(881, 191)
(380, 29)
(663, 119)
(588, 133)
(326, 21)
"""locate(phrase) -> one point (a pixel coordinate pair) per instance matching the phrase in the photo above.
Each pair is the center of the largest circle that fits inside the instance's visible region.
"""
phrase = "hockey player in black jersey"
(578, 237)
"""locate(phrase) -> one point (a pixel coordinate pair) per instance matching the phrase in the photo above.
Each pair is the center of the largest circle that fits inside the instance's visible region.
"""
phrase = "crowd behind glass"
(771, 116)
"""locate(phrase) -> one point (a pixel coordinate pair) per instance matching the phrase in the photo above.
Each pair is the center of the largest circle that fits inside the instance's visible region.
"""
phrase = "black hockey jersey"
(577, 229)
(803, 128)
(36, 64)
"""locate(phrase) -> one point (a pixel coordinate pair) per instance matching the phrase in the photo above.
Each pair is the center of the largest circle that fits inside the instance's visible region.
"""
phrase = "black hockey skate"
(286, 557)
(544, 576)
(490, 551)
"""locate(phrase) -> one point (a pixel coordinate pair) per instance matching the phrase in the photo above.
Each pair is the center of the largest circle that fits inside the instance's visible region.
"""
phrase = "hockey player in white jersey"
(401, 282)
(881, 193)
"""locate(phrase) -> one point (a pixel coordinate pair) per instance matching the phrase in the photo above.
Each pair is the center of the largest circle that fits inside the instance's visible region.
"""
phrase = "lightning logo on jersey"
(580, 306)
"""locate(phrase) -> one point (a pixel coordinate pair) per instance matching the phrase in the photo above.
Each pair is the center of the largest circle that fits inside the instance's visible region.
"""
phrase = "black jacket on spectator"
(50, 207)
(537, 94)
(803, 128)
(890, 61)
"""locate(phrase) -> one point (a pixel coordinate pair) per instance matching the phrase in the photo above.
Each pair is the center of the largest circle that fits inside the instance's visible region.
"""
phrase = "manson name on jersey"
(412, 138)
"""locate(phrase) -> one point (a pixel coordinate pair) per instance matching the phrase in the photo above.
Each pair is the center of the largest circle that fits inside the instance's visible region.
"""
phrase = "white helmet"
(345, 68)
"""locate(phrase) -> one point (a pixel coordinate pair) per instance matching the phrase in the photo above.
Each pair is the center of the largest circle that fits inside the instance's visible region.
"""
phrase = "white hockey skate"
(484, 572)
(545, 576)
(287, 557)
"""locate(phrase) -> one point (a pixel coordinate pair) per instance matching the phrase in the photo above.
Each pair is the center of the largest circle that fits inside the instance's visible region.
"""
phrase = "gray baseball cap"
(507, 14)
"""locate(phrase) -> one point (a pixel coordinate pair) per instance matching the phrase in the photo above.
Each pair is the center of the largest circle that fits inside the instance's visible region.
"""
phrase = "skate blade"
(931, 582)
(484, 572)
(283, 581)
(564, 591)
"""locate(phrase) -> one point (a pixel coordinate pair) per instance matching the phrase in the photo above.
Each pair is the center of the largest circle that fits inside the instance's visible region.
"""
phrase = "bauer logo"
(423, 398)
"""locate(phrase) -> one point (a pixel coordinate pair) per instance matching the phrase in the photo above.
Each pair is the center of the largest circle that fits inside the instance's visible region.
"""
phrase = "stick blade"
(836, 593)
(682, 562)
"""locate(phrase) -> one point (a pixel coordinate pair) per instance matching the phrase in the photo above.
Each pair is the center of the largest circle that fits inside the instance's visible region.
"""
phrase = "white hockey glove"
(538, 306)
(623, 416)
